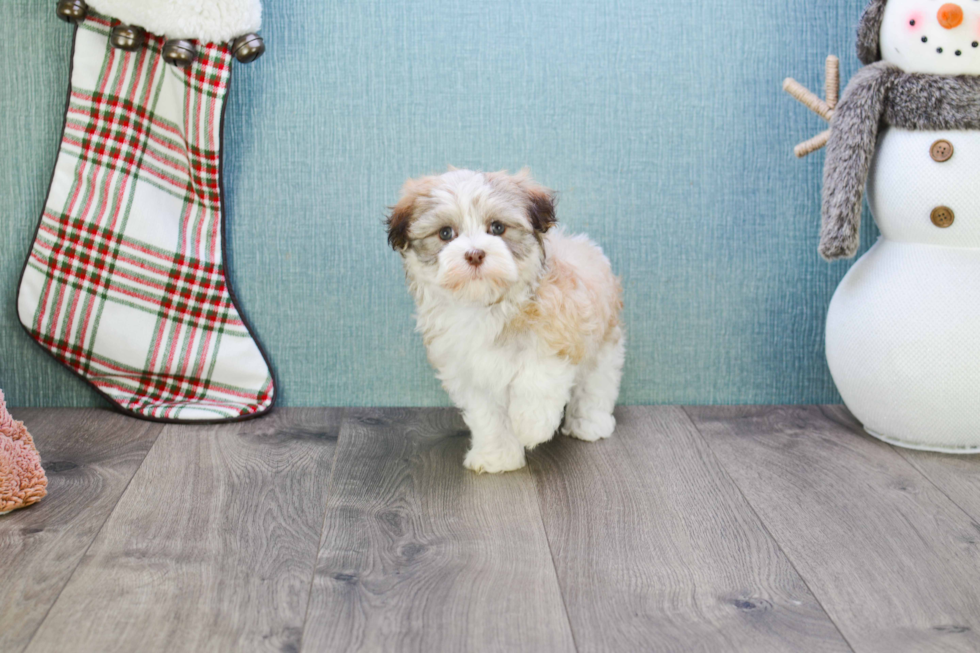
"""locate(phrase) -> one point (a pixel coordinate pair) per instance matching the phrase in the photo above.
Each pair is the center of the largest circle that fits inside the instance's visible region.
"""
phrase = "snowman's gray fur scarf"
(882, 92)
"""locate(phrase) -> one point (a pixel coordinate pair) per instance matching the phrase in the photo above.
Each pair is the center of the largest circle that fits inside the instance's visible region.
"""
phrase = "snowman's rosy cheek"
(915, 22)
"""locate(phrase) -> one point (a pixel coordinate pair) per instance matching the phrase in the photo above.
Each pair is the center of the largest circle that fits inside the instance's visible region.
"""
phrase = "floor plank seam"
(904, 457)
(551, 554)
(765, 527)
(928, 478)
(345, 412)
(95, 536)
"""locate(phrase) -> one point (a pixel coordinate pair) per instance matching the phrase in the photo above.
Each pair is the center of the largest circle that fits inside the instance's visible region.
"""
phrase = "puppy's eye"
(447, 234)
(497, 228)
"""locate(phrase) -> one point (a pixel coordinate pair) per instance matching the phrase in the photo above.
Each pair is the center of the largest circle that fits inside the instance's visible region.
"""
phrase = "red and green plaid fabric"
(125, 283)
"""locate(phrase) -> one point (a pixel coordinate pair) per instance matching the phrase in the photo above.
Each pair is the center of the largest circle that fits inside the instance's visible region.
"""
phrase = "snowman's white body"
(903, 331)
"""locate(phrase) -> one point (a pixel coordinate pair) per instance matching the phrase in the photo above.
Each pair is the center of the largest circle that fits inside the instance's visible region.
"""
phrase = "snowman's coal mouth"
(957, 51)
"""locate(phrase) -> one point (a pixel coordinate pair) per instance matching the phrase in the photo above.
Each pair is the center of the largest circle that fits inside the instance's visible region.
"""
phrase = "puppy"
(520, 320)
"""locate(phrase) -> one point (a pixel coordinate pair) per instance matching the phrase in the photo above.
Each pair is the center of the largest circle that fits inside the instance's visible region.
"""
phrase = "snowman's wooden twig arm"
(833, 81)
(818, 142)
(850, 148)
(808, 99)
(823, 108)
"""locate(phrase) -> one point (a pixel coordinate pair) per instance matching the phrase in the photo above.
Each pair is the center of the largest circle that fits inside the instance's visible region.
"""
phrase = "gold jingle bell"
(128, 37)
(248, 48)
(179, 52)
(72, 11)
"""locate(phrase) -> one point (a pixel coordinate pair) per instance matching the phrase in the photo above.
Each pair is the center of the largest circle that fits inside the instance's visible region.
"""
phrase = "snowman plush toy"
(903, 329)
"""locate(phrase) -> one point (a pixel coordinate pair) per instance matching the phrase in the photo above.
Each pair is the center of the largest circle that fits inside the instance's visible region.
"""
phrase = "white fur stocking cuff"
(208, 21)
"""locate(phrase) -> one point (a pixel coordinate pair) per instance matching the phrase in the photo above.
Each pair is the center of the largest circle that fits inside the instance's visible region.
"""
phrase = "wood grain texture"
(893, 561)
(420, 554)
(656, 550)
(212, 546)
(89, 457)
(957, 476)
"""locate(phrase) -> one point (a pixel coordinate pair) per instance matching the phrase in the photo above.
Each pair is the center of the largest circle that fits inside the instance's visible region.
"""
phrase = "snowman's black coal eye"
(447, 234)
(976, 44)
(939, 50)
(497, 228)
(959, 53)
(925, 39)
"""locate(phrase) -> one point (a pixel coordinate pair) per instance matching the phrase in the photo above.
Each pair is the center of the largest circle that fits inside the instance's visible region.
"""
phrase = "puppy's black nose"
(475, 257)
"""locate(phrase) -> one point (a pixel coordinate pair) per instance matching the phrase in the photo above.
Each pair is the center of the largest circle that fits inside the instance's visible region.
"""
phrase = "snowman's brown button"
(941, 151)
(943, 217)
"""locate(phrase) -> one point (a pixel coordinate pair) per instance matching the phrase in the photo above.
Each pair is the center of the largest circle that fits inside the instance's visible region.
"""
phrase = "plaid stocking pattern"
(124, 283)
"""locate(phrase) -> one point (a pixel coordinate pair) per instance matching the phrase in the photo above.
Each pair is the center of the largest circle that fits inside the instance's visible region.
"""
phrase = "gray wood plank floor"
(89, 457)
(420, 554)
(634, 524)
(212, 546)
(697, 529)
(893, 561)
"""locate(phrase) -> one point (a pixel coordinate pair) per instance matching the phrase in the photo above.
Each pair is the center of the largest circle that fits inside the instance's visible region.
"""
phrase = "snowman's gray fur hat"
(868, 32)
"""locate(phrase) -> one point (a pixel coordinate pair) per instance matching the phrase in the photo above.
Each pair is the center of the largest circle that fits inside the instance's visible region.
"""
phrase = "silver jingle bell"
(128, 37)
(248, 48)
(179, 52)
(72, 11)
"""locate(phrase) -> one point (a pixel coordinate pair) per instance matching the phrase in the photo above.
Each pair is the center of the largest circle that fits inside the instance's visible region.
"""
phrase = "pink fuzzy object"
(22, 480)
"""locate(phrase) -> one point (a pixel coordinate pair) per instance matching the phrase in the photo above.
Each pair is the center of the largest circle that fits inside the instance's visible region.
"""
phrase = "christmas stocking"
(125, 282)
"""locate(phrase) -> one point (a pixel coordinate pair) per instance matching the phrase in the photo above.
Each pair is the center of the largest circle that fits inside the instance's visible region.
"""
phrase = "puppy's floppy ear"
(398, 221)
(402, 213)
(540, 202)
(541, 209)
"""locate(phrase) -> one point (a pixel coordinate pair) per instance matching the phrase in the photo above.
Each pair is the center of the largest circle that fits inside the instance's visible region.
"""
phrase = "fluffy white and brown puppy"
(521, 321)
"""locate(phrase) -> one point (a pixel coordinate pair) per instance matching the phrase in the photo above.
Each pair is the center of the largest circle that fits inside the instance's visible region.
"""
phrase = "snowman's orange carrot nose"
(950, 15)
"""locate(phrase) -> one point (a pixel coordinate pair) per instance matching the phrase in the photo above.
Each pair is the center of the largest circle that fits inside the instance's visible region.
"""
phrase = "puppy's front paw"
(495, 460)
(591, 427)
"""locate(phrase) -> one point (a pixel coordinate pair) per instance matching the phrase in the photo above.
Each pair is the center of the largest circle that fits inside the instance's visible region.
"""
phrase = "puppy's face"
(475, 235)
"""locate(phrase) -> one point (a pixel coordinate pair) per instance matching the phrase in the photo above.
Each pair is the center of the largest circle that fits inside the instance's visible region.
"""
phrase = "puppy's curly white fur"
(520, 320)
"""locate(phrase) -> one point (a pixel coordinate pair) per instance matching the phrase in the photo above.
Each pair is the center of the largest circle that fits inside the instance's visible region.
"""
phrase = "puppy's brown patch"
(578, 302)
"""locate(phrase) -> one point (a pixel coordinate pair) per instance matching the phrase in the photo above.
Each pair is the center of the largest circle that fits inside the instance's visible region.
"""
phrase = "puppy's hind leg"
(538, 395)
(590, 414)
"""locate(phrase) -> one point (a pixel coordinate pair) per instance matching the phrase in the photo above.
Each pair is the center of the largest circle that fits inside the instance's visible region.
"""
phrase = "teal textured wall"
(662, 124)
